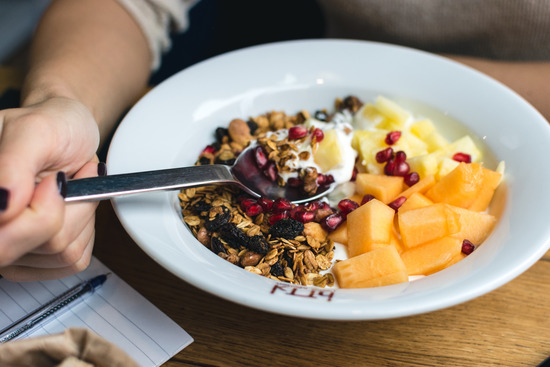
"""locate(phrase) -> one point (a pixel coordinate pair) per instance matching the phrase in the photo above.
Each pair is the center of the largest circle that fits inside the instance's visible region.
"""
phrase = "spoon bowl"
(244, 173)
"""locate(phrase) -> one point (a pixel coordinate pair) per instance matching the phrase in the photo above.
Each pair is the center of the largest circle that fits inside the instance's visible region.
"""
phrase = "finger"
(77, 217)
(36, 224)
(29, 274)
(70, 254)
(21, 159)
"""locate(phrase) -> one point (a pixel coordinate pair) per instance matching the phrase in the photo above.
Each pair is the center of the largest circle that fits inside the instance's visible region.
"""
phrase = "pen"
(46, 310)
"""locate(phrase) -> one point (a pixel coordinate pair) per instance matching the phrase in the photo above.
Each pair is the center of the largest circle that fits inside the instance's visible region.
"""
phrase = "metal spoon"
(244, 173)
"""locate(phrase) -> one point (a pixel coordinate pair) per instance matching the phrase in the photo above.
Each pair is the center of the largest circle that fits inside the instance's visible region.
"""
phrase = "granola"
(276, 239)
(295, 256)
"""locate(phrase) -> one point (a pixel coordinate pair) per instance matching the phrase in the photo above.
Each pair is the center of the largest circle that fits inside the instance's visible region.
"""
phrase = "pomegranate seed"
(347, 206)
(467, 247)
(304, 216)
(261, 157)
(295, 182)
(270, 171)
(240, 198)
(389, 167)
(401, 169)
(246, 203)
(331, 222)
(209, 149)
(312, 206)
(297, 132)
(274, 218)
(318, 135)
(321, 179)
(354, 174)
(296, 209)
(329, 179)
(265, 203)
(392, 137)
(254, 210)
(400, 156)
(396, 204)
(462, 157)
(280, 205)
(366, 198)
(411, 178)
(323, 205)
(384, 155)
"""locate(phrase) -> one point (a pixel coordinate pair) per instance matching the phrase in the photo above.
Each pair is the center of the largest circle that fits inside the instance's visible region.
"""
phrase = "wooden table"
(507, 327)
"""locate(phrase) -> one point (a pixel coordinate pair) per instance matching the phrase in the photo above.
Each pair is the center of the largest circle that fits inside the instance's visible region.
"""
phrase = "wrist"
(37, 89)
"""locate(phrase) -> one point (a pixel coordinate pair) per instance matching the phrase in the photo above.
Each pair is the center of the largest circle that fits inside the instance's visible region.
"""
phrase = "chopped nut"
(203, 236)
(250, 258)
(239, 131)
(315, 230)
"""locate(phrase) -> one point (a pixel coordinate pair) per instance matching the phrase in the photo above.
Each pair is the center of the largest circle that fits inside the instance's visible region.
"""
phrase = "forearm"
(531, 80)
(92, 51)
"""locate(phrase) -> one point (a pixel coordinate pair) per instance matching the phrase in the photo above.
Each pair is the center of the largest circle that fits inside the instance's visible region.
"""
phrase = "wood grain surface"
(507, 327)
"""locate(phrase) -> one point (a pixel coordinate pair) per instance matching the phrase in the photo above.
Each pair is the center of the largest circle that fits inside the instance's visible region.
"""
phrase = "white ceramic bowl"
(172, 124)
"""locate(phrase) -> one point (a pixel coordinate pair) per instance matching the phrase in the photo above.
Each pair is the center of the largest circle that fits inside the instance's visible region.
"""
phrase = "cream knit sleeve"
(157, 18)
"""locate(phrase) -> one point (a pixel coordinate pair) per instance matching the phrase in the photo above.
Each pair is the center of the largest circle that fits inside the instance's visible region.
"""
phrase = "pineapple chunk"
(435, 141)
(422, 128)
(410, 144)
(464, 145)
(426, 164)
(368, 143)
(329, 153)
(392, 110)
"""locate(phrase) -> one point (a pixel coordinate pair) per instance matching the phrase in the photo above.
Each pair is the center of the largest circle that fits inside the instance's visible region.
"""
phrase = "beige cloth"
(499, 29)
(157, 18)
(73, 348)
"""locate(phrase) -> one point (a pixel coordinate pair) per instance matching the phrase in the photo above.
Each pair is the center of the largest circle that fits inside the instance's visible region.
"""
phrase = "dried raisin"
(287, 228)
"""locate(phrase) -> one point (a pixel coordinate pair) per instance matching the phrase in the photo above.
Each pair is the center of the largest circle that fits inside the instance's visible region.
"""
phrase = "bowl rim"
(302, 307)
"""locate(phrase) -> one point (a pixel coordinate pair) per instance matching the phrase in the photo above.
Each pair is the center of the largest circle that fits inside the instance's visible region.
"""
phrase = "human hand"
(41, 237)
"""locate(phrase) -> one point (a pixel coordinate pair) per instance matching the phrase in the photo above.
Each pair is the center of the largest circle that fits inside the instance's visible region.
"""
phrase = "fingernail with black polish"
(62, 183)
(4, 195)
(101, 169)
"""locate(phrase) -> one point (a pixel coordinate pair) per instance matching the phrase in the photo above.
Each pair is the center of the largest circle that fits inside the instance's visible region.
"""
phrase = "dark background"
(218, 26)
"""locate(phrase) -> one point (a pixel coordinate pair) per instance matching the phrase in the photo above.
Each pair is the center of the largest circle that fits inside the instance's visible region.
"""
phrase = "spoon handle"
(106, 187)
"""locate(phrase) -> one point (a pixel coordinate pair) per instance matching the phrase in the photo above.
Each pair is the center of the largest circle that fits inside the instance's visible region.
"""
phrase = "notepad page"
(115, 311)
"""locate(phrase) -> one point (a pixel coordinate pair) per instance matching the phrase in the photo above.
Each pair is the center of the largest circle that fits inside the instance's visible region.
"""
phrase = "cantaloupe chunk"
(432, 256)
(491, 180)
(376, 268)
(460, 187)
(382, 187)
(395, 240)
(418, 226)
(369, 227)
(357, 198)
(340, 234)
(458, 257)
(421, 186)
(415, 201)
(474, 226)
